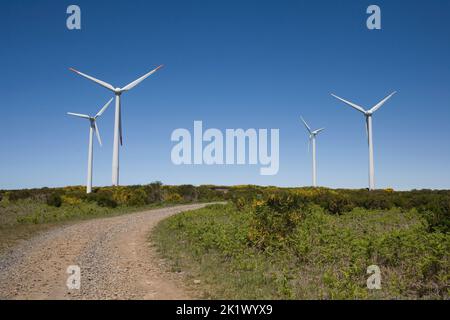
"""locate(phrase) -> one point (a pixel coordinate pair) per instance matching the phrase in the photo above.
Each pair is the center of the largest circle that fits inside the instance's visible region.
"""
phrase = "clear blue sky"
(231, 64)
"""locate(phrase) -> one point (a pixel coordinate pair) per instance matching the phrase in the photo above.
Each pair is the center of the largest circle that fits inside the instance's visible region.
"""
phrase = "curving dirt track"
(114, 255)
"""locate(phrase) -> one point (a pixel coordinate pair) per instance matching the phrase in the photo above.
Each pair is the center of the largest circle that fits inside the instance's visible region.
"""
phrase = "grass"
(22, 219)
(324, 257)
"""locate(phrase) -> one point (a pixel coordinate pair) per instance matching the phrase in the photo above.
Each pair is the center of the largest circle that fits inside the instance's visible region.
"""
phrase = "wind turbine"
(118, 116)
(368, 114)
(312, 140)
(93, 127)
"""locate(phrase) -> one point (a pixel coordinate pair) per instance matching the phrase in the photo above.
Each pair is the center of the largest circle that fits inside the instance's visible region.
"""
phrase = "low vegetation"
(25, 212)
(271, 243)
(268, 242)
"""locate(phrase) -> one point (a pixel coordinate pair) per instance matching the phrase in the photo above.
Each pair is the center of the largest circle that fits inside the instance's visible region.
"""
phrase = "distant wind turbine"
(93, 127)
(368, 114)
(312, 140)
(118, 116)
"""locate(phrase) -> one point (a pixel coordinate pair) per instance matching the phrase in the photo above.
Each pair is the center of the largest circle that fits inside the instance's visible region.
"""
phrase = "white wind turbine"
(312, 140)
(368, 114)
(118, 117)
(93, 127)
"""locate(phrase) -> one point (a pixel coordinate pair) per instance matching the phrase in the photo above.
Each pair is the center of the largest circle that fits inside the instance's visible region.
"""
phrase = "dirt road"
(114, 255)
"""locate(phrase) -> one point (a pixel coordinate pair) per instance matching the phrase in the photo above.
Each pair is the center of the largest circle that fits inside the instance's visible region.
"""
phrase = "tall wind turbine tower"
(93, 127)
(368, 114)
(312, 140)
(118, 117)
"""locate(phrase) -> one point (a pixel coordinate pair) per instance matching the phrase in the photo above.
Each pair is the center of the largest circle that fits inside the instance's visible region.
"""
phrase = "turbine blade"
(367, 127)
(104, 108)
(309, 142)
(318, 130)
(120, 126)
(100, 82)
(137, 81)
(97, 133)
(78, 115)
(379, 104)
(351, 104)
(306, 125)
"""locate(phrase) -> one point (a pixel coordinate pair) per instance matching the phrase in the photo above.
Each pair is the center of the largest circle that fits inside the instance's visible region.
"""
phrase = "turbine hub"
(118, 90)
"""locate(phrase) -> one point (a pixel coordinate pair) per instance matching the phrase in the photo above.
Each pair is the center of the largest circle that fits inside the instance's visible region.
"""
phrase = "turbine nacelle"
(368, 112)
(117, 90)
(316, 132)
(311, 132)
(93, 120)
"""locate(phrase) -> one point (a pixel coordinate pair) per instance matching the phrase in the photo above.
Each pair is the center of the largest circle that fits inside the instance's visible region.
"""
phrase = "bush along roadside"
(286, 245)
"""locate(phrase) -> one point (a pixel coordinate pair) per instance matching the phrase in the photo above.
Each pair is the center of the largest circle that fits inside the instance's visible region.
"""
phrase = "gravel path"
(114, 255)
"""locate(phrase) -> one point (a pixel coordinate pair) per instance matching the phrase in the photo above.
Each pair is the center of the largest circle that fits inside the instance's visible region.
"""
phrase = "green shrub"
(173, 198)
(211, 193)
(106, 202)
(437, 214)
(19, 195)
(154, 192)
(54, 200)
(240, 203)
(275, 219)
(137, 198)
(335, 203)
(188, 192)
(103, 197)
(79, 194)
